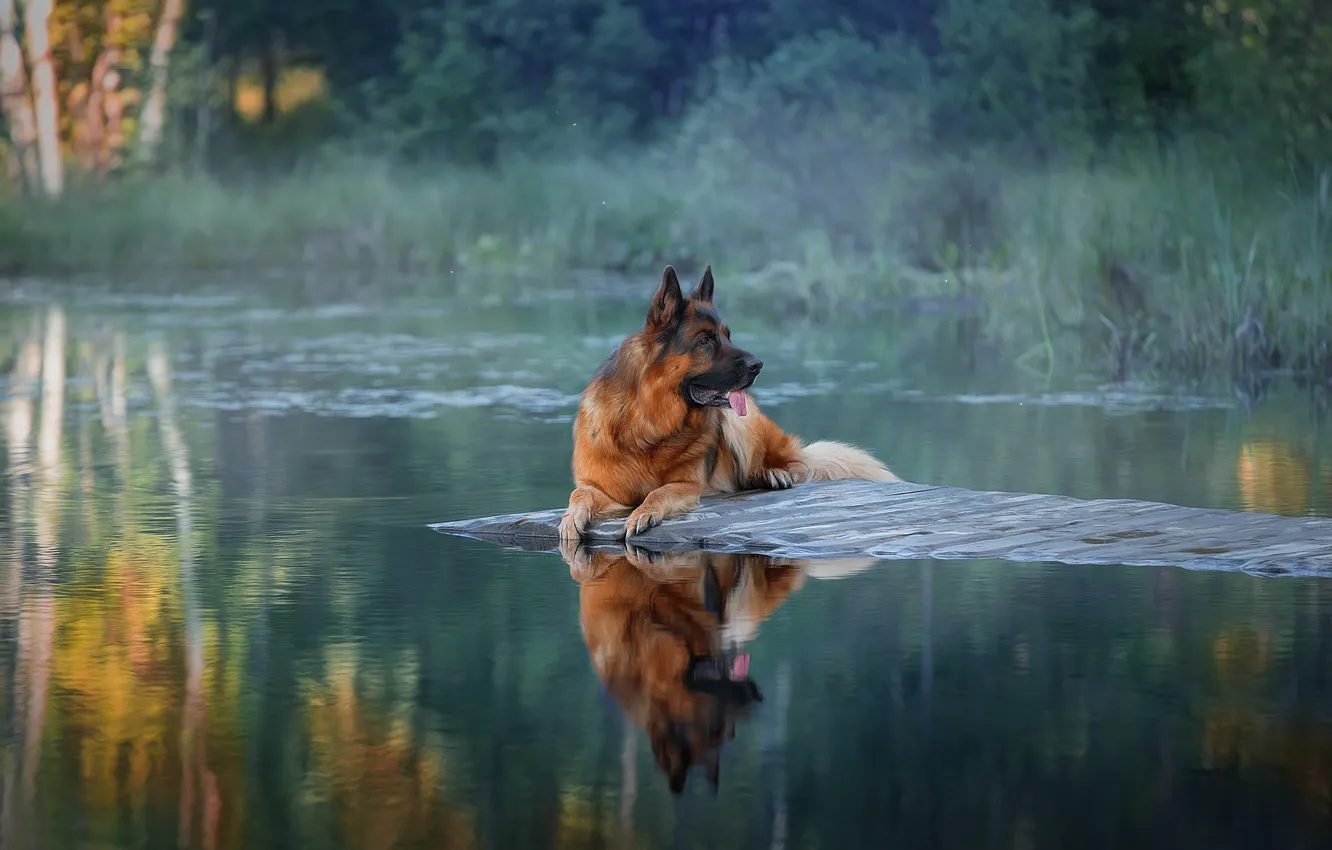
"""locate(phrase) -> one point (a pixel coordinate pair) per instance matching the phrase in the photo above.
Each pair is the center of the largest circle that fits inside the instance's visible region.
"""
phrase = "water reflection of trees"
(1282, 474)
(217, 664)
(122, 687)
(28, 599)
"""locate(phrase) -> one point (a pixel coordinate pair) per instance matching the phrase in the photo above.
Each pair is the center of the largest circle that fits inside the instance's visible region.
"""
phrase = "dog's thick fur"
(655, 634)
(657, 427)
(665, 632)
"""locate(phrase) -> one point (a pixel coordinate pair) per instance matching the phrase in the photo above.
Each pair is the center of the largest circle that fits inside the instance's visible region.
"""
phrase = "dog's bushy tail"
(828, 460)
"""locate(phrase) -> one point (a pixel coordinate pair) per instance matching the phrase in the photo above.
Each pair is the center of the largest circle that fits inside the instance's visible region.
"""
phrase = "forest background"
(1147, 179)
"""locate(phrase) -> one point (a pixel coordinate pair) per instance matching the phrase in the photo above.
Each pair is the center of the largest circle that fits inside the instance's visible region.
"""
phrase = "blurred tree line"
(92, 85)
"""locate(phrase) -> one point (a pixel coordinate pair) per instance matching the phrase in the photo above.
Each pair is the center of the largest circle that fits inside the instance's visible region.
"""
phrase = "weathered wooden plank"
(839, 519)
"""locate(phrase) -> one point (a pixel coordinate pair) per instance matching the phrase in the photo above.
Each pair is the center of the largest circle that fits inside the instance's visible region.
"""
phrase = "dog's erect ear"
(703, 292)
(668, 303)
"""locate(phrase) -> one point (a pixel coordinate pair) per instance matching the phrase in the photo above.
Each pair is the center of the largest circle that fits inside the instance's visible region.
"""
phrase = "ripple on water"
(300, 360)
(1111, 401)
(367, 402)
(548, 404)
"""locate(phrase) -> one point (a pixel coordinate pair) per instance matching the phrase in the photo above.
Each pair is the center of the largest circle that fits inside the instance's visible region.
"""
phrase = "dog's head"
(721, 694)
(690, 334)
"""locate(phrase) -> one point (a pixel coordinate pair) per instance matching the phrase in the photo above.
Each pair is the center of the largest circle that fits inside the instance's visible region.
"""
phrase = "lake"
(225, 624)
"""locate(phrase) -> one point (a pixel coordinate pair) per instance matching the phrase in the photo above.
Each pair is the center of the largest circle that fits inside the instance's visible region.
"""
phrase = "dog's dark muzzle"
(752, 366)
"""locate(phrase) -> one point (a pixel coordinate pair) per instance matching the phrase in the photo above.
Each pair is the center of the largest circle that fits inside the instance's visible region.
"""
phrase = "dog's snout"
(753, 365)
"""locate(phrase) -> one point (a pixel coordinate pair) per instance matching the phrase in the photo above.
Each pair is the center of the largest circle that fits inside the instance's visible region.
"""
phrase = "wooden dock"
(903, 520)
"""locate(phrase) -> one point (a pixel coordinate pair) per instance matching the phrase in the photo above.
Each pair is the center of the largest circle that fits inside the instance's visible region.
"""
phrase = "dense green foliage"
(470, 80)
(1147, 179)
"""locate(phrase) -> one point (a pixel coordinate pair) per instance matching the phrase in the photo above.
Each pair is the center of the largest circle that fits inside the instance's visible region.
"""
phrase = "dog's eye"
(707, 340)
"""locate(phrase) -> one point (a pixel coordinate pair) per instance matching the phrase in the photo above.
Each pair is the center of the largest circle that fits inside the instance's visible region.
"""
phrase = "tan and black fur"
(656, 629)
(664, 633)
(656, 429)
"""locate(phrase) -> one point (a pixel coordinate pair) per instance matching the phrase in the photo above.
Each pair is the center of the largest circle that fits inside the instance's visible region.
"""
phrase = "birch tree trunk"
(18, 426)
(198, 783)
(95, 111)
(45, 98)
(153, 117)
(14, 97)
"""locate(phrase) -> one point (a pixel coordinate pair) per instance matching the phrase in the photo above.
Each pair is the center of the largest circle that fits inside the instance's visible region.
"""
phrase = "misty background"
(1139, 185)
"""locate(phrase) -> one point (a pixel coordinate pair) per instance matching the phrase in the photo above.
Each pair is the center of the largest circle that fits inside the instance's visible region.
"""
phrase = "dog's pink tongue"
(740, 667)
(738, 403)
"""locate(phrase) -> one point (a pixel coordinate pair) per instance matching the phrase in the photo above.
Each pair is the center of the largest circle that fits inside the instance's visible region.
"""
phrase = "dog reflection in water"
(667, 635)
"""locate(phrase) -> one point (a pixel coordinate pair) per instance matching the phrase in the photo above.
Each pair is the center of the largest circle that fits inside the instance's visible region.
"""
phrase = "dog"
(668, 635)
(655, 632)
(666, 419)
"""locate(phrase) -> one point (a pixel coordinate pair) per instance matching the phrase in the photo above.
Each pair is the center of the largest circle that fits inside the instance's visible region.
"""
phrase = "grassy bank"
(1166, 264)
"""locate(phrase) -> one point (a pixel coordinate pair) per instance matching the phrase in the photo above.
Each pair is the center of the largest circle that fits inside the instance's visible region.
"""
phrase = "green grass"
(1172, 263)
(1188, 269)
(362, 214)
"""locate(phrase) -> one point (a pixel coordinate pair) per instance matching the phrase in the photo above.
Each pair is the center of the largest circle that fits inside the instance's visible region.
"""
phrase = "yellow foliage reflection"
(1238, 733)
(383, 787)
(126, 688)
(1274, 478)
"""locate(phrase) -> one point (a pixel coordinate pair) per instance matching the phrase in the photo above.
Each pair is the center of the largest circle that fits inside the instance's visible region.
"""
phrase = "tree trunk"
(232, 114)
(114, 111)
(203, 122)
(15, 100)
(103, 115)
(87, 112)
(36, 639)
(198, 784)
(153, 117)
(18, 426)
(46, 104)
(268, 70)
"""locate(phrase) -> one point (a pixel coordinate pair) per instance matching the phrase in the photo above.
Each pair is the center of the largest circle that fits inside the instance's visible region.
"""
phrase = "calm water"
(223, 623)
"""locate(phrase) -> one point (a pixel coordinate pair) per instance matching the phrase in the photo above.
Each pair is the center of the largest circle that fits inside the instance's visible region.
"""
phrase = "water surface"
(223, 622)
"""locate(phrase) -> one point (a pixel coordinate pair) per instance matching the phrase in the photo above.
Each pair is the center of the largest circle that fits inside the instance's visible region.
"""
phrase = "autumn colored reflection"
(122, 687)
(29, 603)
(382, 787)
(1296, 746)
(223, 623)
(1279, 477)
(668, 633)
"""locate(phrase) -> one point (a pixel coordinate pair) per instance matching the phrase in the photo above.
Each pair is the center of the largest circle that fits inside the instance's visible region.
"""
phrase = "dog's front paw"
(640, 521)
(575, 522)
(577, 557)
(641, 558)
(779, 479)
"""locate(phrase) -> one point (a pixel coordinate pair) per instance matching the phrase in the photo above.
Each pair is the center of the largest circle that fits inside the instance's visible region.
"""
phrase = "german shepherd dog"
(668, 633)
(666, 419)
